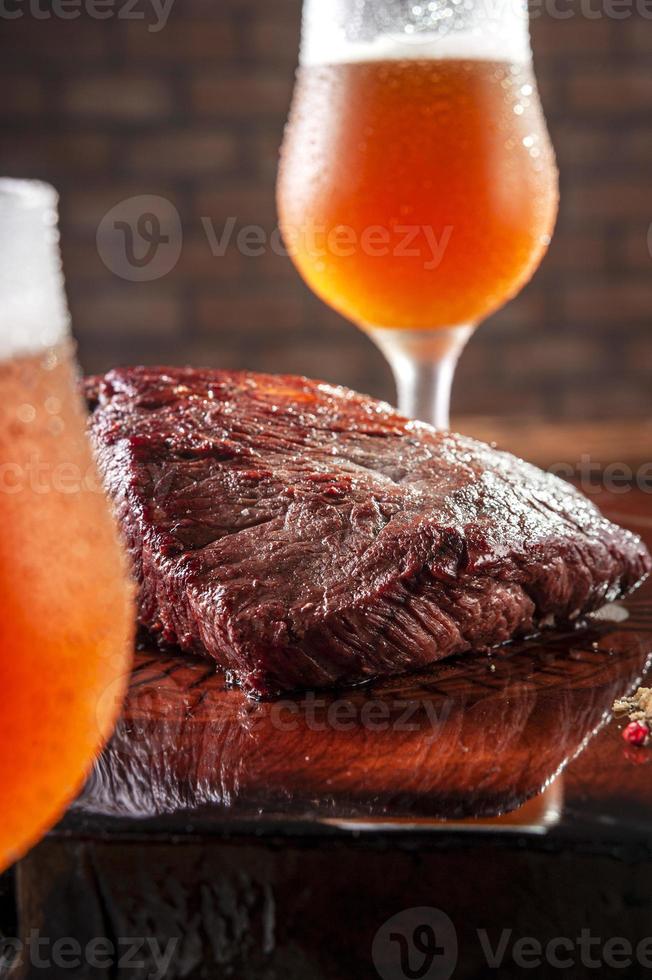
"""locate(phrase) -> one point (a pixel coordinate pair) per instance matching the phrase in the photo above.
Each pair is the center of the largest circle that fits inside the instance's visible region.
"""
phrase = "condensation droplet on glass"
(529, 140)
(545, 239)
(55, 426)
(26, 413)
(50, 360)
(52, 405)
(518, 109)
(526, 90)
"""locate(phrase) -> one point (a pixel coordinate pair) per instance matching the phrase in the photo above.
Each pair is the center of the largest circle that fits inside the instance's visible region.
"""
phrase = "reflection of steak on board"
(303, 535)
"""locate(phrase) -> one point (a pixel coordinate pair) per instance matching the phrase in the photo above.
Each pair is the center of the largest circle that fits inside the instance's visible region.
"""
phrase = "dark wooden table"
(371, 832)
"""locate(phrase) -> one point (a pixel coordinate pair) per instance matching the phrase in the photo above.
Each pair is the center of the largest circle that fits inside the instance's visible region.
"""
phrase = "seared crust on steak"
(303, 535)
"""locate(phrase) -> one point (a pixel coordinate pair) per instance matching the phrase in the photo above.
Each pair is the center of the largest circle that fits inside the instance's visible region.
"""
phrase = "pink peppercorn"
(636, 733)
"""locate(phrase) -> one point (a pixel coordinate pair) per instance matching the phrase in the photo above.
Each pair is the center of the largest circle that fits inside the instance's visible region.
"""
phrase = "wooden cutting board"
(475, 737)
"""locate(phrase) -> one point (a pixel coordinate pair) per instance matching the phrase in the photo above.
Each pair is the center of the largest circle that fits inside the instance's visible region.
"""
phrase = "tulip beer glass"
(418, 188)
(66, 622)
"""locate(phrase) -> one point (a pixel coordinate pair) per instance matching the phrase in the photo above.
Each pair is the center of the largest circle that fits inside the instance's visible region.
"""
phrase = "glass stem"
(423, 363)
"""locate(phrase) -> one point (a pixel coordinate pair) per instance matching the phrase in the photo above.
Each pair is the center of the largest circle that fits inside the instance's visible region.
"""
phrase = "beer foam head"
(343, 31)
(33, 310)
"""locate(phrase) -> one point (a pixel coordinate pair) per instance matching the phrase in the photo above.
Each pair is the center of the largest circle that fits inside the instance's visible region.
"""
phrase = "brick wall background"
(107, 109)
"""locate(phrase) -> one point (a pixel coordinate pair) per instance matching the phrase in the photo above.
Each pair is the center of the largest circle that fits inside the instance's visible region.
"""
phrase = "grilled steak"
(303, 535)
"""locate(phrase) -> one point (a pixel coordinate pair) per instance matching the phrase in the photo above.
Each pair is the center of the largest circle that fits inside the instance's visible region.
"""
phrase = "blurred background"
(107, 100)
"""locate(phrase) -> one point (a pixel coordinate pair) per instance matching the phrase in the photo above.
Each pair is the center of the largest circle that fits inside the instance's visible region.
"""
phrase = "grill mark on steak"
(303, 535)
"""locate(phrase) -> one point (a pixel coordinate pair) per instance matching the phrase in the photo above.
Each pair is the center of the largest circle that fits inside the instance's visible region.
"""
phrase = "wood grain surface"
(474, 738)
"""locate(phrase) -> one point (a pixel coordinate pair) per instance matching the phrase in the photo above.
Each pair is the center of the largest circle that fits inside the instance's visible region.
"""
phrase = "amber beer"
(419, 193)
(66, 615)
